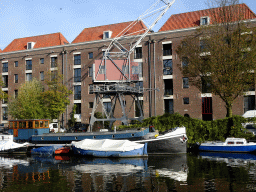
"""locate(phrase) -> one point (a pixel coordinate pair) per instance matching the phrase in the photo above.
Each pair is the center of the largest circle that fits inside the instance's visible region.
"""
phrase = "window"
(90, 89)
(41, 60)
(186, 100)
(168, 106)
(125, 69)
(167, 49)
(28, 76)
(90, 105)
(185, 82)
(206, 85)
(90, 72)
(184, 62)
(4, 113)
(204, 20)
(203, 45)
(78, 108)
(28, 64)
(16, 63)
(5, 67)
(5, 100)
(16, 77)
(102, 69)
(54, 62)
(30, 45)
(107, 106)
(77, 75)
(5, 81)
(168, 87)
(77, 92)
(77, 59)
(139, 85)
(167, 67)
(41, 75)
(15, 93)
(107, 34)
(53, 75)
(138, 53)
(135, 70)
(249, 102)
(90, 55)
(137, 109)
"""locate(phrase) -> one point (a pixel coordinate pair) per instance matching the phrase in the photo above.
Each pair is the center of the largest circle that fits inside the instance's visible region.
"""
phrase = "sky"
(26, 18)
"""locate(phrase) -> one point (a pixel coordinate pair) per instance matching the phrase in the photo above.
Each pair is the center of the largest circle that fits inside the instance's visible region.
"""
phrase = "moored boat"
(8, 146)
(171, 142)
(49, 150)
(109, 148)
(234, 145)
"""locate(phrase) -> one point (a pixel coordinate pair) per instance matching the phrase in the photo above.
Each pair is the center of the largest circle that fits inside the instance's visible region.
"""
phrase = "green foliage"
(55, 98)
(199, 130)
(28, 104)
(35, 103)
(72, 120)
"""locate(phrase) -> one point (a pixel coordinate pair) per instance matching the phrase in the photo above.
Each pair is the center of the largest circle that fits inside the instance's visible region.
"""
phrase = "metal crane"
(116, 50)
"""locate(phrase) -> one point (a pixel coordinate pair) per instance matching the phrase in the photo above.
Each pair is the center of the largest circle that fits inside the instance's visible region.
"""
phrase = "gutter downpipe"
(154, 55)
(149, 76)
(62, 116)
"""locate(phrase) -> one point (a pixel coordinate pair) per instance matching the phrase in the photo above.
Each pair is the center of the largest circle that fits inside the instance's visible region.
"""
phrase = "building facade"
(167, 91)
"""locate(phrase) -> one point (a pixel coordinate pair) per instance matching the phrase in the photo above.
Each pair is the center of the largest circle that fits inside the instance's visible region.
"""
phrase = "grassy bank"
(199, 130)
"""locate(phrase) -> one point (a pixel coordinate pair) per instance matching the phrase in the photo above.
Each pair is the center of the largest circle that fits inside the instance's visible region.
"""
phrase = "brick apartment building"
(159, 72)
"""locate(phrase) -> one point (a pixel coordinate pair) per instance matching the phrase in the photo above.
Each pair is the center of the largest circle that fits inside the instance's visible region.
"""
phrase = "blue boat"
(46, 150)
(234, 145)
(37, 131)
(109, 148)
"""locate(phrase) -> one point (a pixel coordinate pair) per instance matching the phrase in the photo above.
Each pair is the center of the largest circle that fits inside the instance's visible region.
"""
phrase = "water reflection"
(184, 172)
(155, 173)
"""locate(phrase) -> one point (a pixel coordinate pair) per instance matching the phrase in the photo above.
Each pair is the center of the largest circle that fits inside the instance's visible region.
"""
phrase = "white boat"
(7, 145)
(171, 142)
(230, 145)
(108, 148)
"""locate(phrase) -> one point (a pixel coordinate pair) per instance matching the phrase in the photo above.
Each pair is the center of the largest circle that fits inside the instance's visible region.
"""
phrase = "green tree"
(28, 104)
(72, 120)
(221, 54)
(55, 97)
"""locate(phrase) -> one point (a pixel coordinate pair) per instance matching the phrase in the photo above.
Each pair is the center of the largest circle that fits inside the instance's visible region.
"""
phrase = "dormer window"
(205, 20)
(107, 34)
(30, 45)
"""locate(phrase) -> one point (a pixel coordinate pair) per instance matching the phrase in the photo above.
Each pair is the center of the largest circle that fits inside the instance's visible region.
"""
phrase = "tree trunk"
(229, 109)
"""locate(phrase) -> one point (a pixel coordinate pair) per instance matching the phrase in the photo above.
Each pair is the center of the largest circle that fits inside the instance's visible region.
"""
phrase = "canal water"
(183, 172)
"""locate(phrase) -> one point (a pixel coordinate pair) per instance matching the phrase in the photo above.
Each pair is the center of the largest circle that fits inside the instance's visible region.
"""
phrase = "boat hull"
(172, 142)
(67, 138)
(133, 153)
(20, 150)
(233, 149)
(167, 146)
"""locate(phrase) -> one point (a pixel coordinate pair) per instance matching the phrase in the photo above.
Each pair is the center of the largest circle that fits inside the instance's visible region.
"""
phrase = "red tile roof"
(96, 33)
(48, 40)
(1, 51)
(192, 19)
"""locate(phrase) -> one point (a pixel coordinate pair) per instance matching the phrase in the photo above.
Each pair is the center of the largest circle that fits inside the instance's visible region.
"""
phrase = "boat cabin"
(23, 129)
(235, 141)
